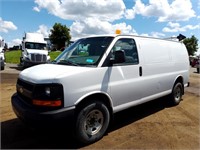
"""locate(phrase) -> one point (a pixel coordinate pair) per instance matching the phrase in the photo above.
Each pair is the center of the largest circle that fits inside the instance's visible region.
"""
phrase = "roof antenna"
(181, 37)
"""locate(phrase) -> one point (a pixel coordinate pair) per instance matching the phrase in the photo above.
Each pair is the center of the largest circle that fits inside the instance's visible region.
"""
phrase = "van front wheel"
(92, 122)
(176, 94)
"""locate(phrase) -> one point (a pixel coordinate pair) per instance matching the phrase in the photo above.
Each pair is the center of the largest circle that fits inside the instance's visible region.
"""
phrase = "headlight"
(48, 91)
(48, 95)
(48, 58)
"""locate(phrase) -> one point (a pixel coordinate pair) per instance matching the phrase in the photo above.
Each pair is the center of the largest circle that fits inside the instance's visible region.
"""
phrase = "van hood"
(47, 73)
(37, 51)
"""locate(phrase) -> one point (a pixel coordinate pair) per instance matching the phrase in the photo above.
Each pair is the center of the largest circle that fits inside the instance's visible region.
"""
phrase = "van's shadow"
(196, 72)
(14, 134)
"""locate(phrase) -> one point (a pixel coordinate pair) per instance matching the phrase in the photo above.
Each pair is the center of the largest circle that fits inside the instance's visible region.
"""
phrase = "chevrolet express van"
(98, 76)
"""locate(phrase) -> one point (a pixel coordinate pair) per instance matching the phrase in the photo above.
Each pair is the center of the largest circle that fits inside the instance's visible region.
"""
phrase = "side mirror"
(119, 57)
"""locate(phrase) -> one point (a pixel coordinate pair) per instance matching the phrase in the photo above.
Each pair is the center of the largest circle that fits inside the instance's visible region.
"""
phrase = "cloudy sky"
(156, 18)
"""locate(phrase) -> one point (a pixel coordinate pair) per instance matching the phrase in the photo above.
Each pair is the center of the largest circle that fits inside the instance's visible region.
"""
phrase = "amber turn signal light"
(54, 103)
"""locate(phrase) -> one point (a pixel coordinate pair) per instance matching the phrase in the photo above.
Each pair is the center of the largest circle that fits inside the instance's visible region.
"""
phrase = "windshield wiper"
(67, 62)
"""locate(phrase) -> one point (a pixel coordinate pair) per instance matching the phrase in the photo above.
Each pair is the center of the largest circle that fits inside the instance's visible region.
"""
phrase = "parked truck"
(2, 58)
(2, 55)
(34, 50)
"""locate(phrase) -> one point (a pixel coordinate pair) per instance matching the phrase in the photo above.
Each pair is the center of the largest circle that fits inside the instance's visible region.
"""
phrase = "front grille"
(28, 92)
(25, 90)
(25, 84)
(38, 58)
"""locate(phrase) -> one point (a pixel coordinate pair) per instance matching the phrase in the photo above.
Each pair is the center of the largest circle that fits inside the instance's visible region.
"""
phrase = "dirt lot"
(153, 125)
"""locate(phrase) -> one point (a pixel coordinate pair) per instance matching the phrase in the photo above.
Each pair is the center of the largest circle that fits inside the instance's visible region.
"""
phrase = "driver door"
(125, 78)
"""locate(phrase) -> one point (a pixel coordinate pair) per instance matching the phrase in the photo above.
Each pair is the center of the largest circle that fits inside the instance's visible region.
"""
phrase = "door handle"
(140, 71)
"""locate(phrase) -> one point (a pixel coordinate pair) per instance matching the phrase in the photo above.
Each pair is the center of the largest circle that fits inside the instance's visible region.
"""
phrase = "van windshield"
(37, 46)
(84, 52)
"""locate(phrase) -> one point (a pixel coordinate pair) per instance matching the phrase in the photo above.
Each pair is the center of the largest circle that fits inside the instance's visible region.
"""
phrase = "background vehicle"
(34, 50)
(2, 58)
(98, 76)
(197, 64)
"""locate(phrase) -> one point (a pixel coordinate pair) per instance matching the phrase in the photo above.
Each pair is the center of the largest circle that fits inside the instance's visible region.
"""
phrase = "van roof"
(173, 39)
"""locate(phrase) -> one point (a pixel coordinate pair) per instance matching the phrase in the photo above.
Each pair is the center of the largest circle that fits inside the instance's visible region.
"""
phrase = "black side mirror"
(119, 57)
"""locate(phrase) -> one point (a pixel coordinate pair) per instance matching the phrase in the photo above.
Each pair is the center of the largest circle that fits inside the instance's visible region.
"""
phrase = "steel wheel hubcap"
(177, 94)
(93, 122)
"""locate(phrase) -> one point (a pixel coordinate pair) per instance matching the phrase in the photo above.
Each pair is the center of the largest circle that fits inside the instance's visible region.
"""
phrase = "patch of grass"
(54, 54)
(14, 56)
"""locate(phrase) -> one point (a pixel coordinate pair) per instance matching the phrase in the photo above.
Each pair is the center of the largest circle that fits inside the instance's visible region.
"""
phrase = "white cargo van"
(34, 50)
(98, 76)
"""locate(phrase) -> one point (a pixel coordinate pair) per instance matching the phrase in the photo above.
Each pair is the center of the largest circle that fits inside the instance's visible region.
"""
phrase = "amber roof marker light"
(117, 31)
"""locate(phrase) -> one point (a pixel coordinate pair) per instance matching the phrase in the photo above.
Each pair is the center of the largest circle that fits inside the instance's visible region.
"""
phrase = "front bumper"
(36, 118)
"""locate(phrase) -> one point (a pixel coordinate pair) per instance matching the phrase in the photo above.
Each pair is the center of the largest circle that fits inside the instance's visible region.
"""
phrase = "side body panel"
(161, 63)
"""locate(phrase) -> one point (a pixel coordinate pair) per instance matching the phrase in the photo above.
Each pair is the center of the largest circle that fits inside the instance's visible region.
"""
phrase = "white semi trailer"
(34, 50)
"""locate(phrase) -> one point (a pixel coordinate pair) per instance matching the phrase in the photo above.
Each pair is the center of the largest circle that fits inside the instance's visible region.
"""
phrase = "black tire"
(2, 67)
(92, 122)
(20, 60)
(24, 65)
(176, 95)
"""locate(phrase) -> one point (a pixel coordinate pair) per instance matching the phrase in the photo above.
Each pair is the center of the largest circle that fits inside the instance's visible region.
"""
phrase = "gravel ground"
(153, 125)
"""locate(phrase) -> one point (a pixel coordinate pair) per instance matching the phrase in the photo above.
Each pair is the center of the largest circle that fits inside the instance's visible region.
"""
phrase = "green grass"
(54, 54)
(14, 56)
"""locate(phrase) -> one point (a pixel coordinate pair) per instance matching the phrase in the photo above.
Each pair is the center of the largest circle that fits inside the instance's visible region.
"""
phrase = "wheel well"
(180, 80)
(95, 97)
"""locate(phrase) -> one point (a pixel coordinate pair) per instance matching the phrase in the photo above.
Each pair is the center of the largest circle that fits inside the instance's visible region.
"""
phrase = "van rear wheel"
(92, 122)
(176, 94)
